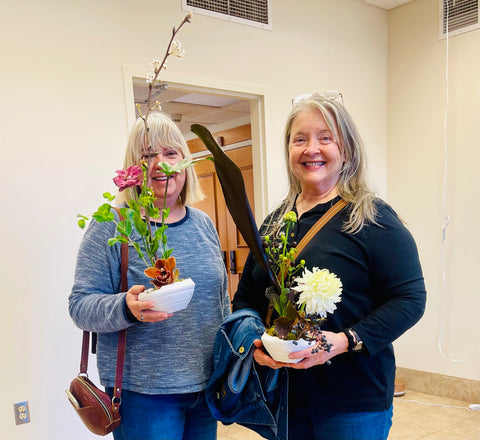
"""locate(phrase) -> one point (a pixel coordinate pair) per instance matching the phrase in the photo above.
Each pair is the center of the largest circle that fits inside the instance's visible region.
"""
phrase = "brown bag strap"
(322, 221)
(122, 335)
(84, 358)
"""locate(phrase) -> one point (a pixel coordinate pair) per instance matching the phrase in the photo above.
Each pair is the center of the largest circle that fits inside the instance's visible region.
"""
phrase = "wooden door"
(233, 246)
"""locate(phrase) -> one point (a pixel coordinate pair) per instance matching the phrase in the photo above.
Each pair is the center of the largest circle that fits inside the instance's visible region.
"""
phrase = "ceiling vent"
(250, 12)
(458, 17)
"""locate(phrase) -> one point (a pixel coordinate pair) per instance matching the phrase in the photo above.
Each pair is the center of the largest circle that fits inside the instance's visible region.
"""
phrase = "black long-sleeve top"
(383, 296)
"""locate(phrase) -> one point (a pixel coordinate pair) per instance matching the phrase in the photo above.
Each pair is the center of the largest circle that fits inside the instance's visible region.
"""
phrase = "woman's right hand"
(141, 309)
(262, 358)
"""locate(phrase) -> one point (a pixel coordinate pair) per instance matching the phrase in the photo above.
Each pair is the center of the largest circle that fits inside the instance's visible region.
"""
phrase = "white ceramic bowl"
(279, 349)
(170, 298)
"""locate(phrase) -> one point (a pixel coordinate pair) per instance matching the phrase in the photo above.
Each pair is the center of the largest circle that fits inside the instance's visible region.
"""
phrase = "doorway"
(238, 147)
(228, 117)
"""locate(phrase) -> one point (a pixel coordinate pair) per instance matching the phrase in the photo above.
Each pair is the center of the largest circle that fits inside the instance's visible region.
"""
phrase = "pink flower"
(132, 176)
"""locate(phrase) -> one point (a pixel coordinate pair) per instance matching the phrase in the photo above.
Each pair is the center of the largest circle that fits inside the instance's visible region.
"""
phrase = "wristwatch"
(354, 342)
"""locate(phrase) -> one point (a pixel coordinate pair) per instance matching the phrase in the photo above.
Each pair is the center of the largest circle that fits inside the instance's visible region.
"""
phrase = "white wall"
(416, 159)
(63, 129)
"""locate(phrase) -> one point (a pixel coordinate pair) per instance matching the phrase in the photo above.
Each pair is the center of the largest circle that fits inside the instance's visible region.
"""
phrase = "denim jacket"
(241, 391)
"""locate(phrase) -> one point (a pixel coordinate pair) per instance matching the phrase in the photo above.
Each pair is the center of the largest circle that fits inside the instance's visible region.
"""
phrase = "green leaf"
(117, 239)
(169, 169)
(166, 168)
(140, 225)
(124, 212)
(160, 232)
(130, 215)
(81, 223)
(154, 249)
(124, 227)
(133, 204)
(274, 299)
(153, 211)
(167, 253)
(108, 196)
(104, 214)
(165, 212)
(291, 312)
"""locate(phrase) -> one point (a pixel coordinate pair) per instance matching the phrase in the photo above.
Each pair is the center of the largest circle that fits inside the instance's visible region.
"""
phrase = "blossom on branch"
(176, 49)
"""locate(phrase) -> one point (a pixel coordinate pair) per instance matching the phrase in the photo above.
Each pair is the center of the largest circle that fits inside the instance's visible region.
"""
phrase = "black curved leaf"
(233, 188)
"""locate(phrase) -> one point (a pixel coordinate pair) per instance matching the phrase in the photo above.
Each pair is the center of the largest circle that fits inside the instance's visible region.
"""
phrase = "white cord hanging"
(446, 221)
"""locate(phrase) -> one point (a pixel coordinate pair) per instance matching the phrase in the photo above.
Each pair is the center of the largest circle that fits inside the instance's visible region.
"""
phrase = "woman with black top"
(346, 393)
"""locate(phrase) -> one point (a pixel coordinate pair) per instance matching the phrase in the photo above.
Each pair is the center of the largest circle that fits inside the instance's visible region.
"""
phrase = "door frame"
(255, 95)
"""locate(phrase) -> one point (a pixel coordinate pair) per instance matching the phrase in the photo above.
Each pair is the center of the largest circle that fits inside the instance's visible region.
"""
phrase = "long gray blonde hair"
(352, 185)
(162, 132)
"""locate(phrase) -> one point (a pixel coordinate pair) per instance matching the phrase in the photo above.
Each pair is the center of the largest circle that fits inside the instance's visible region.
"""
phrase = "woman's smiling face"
(176, 182)
(314, 155)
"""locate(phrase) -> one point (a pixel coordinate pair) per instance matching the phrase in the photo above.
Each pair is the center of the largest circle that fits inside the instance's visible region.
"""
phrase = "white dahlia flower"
(319, 290)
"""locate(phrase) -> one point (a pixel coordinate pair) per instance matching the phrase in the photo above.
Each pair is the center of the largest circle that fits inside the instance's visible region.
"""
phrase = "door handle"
(233, 262)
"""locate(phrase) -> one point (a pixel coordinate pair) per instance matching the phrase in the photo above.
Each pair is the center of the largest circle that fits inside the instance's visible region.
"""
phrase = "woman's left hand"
(339, 345)
(141, 309)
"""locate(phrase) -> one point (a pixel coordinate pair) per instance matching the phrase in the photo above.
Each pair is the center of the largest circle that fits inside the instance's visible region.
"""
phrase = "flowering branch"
(139, 210)
(157, 66)
(173, 48)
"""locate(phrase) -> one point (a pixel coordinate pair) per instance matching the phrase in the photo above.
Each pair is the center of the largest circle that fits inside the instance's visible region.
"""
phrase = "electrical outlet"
(22, 413)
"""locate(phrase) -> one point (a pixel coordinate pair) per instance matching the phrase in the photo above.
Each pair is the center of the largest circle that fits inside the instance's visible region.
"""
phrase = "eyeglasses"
(330, 95)
(162, 154)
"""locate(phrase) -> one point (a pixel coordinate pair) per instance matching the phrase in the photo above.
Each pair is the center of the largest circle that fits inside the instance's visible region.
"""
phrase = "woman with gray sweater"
(168, 360)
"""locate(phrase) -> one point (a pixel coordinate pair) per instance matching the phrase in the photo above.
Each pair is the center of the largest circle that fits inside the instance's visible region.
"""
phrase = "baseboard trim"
(440, 385)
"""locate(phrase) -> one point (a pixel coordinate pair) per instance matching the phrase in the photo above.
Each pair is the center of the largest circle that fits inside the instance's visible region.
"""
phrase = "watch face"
(359, 346)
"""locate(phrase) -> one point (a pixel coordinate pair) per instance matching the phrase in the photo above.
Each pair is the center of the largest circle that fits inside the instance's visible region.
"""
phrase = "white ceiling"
(213, 111)
(186, 107)
(385, 4)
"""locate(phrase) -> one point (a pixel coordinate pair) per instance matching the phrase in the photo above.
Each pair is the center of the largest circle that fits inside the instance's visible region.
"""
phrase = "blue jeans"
(319, 425)
(164, 417)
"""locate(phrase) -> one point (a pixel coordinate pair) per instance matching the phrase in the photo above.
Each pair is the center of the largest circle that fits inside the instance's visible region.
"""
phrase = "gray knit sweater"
(172, 356)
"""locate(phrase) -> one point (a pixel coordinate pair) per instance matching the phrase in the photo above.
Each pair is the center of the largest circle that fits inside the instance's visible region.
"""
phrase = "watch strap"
(355, 344)
(351, 340)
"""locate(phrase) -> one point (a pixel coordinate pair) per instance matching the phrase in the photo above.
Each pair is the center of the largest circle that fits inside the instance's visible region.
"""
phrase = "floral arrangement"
(303, 301)
(158, 258)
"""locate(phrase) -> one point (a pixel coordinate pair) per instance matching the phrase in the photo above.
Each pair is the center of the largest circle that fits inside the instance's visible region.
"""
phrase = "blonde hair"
(352, 185)
(162, 132)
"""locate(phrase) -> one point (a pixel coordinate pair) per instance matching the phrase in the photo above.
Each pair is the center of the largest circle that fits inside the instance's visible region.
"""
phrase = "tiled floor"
(415, 416)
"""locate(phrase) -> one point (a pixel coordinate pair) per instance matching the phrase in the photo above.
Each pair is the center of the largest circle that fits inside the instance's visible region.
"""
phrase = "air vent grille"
(251, 12)
(459, 16)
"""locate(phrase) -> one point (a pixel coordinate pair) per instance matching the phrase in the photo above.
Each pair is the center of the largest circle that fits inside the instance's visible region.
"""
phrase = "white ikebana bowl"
(279, 349)
(170, 298)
